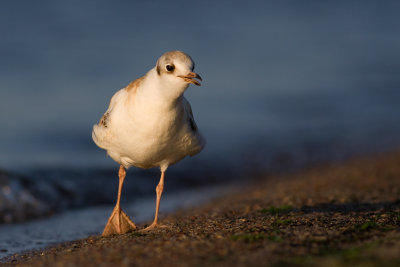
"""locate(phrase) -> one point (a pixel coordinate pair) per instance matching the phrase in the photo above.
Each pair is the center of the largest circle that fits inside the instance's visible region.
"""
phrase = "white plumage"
(149, 123)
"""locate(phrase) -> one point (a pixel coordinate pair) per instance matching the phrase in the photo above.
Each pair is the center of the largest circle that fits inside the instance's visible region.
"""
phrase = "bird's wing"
(199, 141)
(188, 111)
(105, 118)
(101, 131)
(130, 89)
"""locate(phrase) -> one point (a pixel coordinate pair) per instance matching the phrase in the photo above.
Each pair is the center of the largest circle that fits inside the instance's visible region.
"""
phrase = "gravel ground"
(333, 215)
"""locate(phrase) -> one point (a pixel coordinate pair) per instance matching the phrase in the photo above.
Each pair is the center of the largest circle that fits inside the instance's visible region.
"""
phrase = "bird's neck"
(162, 94)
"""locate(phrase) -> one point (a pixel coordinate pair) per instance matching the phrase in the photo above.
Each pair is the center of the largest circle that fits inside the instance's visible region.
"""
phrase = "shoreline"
(81, 223)
(338, 214)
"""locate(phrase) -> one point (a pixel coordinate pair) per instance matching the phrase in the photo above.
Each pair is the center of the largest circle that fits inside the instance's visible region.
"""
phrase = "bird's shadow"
(351, 207)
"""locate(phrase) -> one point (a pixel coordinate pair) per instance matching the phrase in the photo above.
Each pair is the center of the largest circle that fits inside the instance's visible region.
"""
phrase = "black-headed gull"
(149, 123)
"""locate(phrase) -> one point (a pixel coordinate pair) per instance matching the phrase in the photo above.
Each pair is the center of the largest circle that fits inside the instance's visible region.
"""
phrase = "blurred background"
(306, 79)
(286, 84)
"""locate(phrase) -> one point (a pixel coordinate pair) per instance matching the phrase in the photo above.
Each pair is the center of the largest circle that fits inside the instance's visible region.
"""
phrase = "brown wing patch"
(104, 120)
(132, 89)
(135, 84)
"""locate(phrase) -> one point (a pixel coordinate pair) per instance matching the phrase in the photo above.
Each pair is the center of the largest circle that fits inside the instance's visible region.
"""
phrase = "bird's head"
(175, 69)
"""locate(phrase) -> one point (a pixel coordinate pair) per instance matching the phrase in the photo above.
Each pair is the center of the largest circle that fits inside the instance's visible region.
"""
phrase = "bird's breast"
(147, 135)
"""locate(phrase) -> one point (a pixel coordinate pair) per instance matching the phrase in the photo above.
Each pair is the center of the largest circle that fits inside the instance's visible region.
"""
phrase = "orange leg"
(119, 222)
(159, 190)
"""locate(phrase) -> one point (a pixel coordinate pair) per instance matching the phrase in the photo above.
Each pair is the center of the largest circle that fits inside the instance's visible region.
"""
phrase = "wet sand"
(332, 215)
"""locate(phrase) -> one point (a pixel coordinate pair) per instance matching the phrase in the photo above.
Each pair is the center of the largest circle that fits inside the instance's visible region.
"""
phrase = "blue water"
(282, 79)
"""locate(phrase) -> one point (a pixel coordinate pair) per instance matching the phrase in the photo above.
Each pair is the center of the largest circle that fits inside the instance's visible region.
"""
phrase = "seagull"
(149, 123)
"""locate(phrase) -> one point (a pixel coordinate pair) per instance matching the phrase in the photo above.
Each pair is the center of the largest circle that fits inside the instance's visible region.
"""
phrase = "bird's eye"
(170, 67)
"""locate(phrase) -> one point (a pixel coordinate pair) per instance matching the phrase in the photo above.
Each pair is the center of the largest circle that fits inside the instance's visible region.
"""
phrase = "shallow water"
(77, 224)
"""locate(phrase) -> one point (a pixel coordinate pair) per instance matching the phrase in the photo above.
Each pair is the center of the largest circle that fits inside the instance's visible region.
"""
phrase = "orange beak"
(190, 78)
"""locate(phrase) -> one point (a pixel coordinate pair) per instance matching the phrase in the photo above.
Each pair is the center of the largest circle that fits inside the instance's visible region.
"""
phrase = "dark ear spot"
(158, 70)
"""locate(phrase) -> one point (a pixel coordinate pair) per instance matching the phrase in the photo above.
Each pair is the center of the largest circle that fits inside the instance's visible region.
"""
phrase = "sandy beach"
(328, 215)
